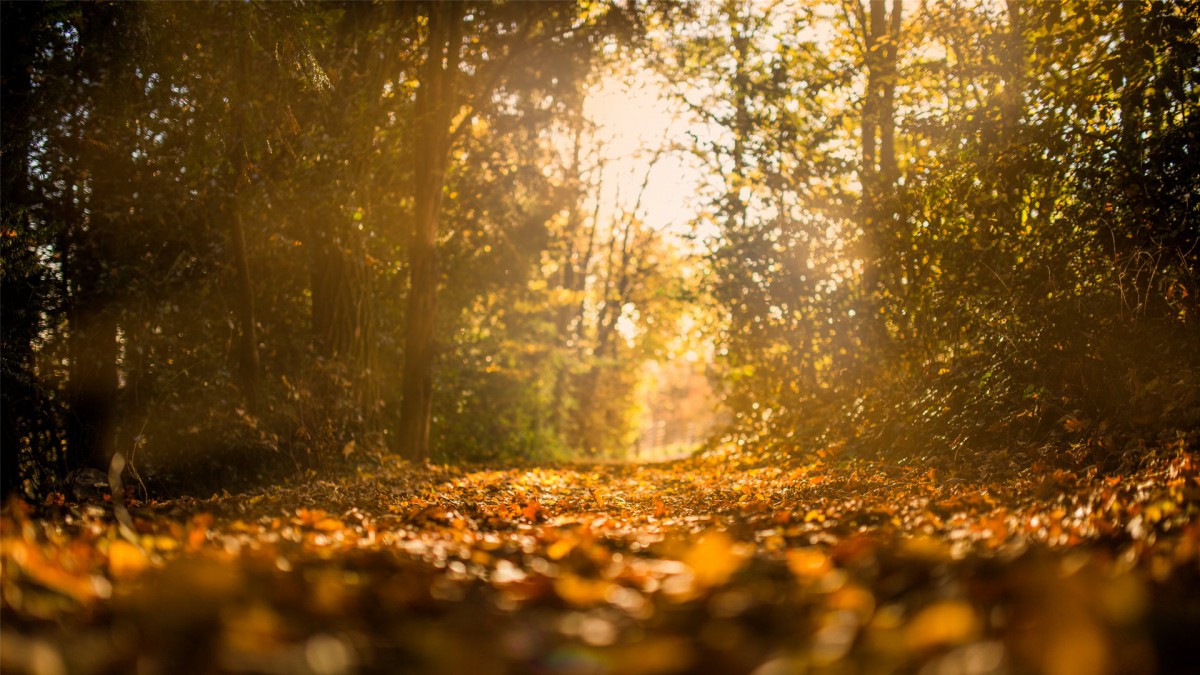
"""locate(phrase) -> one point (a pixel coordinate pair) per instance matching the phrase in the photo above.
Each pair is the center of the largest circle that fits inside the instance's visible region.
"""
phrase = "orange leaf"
(714, 558)
(582, 592)
(943, 623)
(534, 511)
(808, 563)
(328, 525)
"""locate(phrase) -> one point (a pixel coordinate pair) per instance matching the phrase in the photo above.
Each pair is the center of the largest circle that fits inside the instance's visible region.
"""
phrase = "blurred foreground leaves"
(798, 567)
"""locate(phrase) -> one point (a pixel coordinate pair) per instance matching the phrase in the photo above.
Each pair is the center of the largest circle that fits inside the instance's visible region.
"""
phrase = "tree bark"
(879, 173)
(1135, 62)
(343, 311)
(92, 375)
(888, 168)
(869, 173)
(573, 277)
(743, 127)
(248, 361)
(21, 267)
(1012, 109)
(436, 102)
(873, 57)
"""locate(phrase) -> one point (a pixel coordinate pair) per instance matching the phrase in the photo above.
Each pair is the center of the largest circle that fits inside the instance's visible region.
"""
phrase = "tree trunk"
(743, 126)
(878, 174)
(869, 173)
(573, 278)
(92, 385)
(21, 268)
(341, 317)
(248, 361)
(435, 106)
(873, 56)
(1011, 112)
(1135, 61)
(343, 313)
(888, 168)
(92, 376)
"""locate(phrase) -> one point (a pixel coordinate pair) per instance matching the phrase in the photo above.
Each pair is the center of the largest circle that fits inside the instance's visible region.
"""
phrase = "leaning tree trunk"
(435, 105)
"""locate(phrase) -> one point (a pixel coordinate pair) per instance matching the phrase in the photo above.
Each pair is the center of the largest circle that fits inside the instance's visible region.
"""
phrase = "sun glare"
(641, 137)
(639, 132)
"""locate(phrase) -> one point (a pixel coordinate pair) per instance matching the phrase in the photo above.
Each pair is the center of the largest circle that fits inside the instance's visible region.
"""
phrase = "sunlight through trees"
(255, 239)
(600, 336)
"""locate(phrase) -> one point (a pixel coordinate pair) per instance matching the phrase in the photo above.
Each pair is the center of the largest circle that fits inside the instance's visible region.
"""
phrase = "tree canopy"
(245, 240)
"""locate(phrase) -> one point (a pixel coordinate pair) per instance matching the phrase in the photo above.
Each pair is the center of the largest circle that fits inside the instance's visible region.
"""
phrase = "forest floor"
(725, 563)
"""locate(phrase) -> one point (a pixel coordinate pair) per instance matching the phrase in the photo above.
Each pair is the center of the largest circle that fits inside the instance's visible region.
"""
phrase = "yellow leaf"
(808, 563)
(165, 544)
(925, 548)
(126, 560)
(559, 549)
(582, 592)
(853, 598)
(328, 525)
(943, 623)
(1158, 510)
(714, 558)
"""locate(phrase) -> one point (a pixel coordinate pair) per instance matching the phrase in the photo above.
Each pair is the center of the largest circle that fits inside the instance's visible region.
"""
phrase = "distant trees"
(480, 60)
(437, 102)
(879, 172)
(245, 238)
(538, 275)
(27, 289)
(214, 216)
(987, 272)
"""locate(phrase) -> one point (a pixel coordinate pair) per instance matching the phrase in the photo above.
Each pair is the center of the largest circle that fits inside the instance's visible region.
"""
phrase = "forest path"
(713, 565)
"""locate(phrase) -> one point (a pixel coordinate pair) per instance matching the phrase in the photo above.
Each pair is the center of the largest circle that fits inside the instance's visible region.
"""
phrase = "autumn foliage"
(869, 344)
(787, 567)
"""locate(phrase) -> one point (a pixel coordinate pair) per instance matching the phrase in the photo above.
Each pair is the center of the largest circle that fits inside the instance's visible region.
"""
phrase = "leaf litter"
(717, 564)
